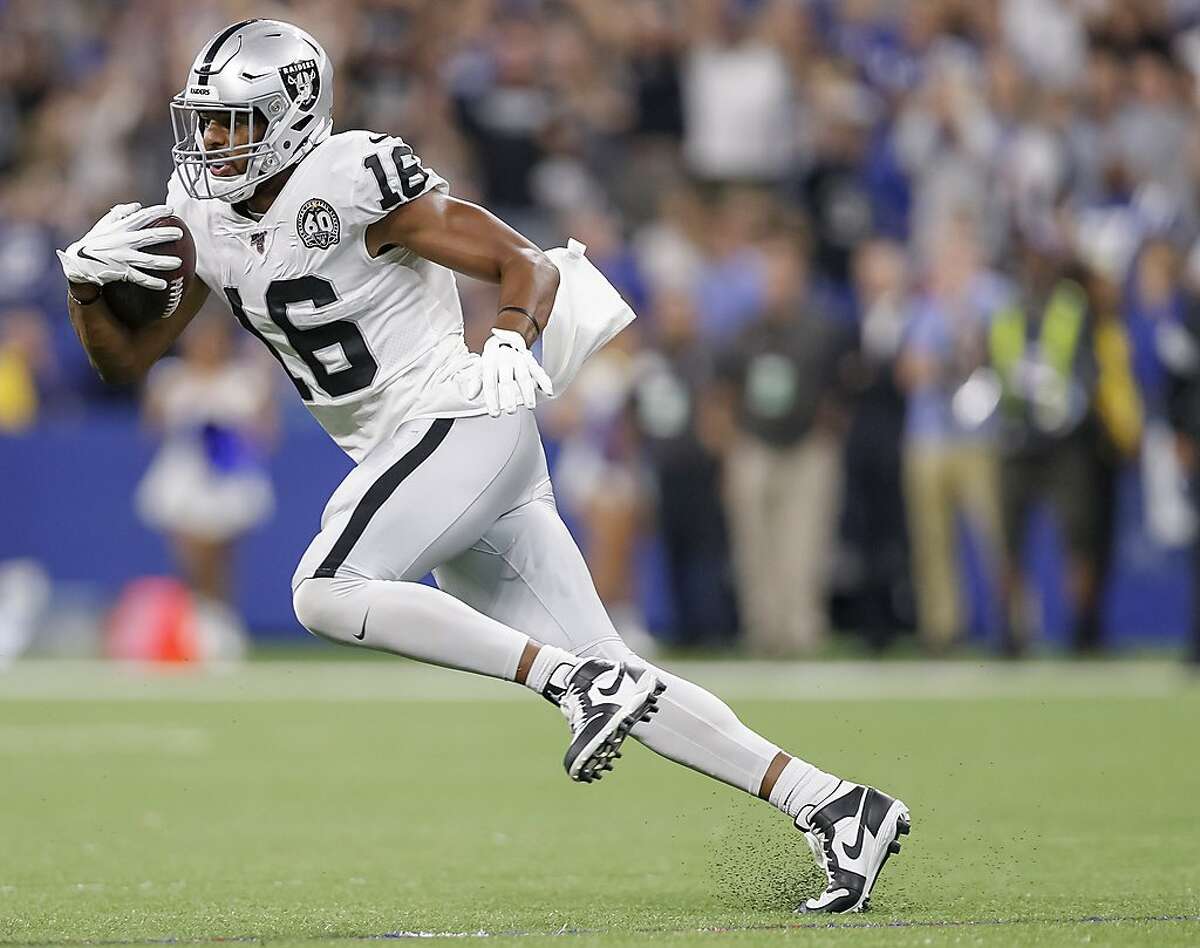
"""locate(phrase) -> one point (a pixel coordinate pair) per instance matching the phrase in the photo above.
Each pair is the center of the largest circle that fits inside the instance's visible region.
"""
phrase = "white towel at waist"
(588, 312)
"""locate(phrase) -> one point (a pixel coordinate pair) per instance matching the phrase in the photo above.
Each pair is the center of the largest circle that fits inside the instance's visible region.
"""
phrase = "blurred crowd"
(908, 271)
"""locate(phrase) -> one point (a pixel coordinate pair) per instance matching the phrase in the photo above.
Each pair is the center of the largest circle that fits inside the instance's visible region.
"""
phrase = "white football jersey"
(369, 343)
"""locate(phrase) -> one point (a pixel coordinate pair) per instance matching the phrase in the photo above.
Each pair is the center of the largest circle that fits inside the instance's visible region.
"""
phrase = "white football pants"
(470, 500)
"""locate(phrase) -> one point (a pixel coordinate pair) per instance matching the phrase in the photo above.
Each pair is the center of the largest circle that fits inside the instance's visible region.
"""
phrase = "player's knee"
(314, 603)
(306, 603)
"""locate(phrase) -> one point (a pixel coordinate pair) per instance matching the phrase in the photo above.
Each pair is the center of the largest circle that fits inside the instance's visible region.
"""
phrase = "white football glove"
(509, 376)
(112, 249)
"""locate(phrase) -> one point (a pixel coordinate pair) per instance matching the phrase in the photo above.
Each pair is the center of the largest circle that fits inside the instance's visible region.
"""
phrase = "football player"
(338, 252)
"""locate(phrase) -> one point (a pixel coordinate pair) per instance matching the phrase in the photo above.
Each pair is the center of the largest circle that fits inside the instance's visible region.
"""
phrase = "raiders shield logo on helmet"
(318, 224)
(302, 80)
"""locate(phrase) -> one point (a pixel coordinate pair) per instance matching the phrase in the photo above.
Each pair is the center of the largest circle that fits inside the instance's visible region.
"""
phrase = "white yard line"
(399, 681)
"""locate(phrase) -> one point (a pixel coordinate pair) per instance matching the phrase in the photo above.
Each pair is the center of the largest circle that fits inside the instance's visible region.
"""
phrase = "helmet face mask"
(269, 77)
(196, 163)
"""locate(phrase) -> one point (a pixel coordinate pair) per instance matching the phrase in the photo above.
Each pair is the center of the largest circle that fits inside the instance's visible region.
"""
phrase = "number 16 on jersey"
(412, 176)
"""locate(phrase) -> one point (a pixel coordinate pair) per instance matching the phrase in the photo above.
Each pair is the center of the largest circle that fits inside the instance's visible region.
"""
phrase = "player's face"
(218, 135)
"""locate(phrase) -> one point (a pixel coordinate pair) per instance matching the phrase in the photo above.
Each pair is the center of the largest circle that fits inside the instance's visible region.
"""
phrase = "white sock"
(551, 666)
(412, 620)
(800, 785)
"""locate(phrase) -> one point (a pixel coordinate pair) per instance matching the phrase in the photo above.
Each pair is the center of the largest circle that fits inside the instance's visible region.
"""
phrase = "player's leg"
(436, 489)
(528, 572)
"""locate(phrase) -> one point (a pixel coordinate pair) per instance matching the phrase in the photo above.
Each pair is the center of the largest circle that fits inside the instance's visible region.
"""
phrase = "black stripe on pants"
(377, 495)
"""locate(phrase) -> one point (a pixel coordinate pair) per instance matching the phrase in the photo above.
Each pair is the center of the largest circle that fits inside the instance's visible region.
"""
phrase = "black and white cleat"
(602, 702)
(852, 832)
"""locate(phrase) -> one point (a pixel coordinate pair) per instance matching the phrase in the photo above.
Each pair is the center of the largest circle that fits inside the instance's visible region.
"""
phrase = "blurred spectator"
(1043, 352)
(946, 139)
(27, 369)
(208, 485)
(835, 188)
(1048, 35)
(505, 111)
(669, 245)
(950, 462)
(669, 414)
(876, 566)
(737, 90)
(1117, 419)
(731, 286)
(1154, 135)
(782, 461)
(1162, 349)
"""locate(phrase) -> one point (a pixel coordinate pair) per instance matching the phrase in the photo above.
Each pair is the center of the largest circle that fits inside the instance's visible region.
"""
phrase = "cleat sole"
(602, 758)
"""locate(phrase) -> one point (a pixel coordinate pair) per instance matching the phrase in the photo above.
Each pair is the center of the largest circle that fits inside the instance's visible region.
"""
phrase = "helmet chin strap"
(243, 191)
(237, 195)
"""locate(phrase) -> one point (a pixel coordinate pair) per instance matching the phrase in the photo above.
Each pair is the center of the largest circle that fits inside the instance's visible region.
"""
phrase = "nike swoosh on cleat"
(616, 685)
(376, 139)
(362, 634)
(855, 850)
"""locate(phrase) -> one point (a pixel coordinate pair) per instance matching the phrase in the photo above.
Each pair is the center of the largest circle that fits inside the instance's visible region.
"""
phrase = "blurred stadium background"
(915, 375)
(916, 279)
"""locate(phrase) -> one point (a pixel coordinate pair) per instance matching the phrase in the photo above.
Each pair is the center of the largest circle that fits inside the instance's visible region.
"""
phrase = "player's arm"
(114, 249)
(470, 240)
(122, 356)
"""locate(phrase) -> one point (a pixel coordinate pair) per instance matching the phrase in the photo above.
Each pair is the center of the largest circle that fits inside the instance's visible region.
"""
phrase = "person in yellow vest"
(1068, 414)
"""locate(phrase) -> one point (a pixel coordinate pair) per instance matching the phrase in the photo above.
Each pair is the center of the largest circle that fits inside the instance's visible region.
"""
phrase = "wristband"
(537, 330)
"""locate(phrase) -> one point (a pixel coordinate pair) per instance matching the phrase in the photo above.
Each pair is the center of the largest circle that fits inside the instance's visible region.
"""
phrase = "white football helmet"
(270, 75)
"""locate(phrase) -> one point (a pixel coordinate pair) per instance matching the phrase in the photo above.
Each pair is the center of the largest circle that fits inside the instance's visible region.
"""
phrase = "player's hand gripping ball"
(143, 258)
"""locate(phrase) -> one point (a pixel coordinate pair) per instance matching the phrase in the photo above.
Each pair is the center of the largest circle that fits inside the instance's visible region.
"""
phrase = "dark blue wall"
(67, 502)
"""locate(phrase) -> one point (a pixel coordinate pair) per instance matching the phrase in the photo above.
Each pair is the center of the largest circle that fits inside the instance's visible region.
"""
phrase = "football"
(135, 306)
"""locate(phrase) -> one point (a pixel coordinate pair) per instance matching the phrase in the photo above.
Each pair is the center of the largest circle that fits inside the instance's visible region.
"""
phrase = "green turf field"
(312, 803)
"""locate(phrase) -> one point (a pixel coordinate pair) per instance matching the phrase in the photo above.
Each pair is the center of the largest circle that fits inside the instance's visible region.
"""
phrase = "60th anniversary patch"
(318, 224)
